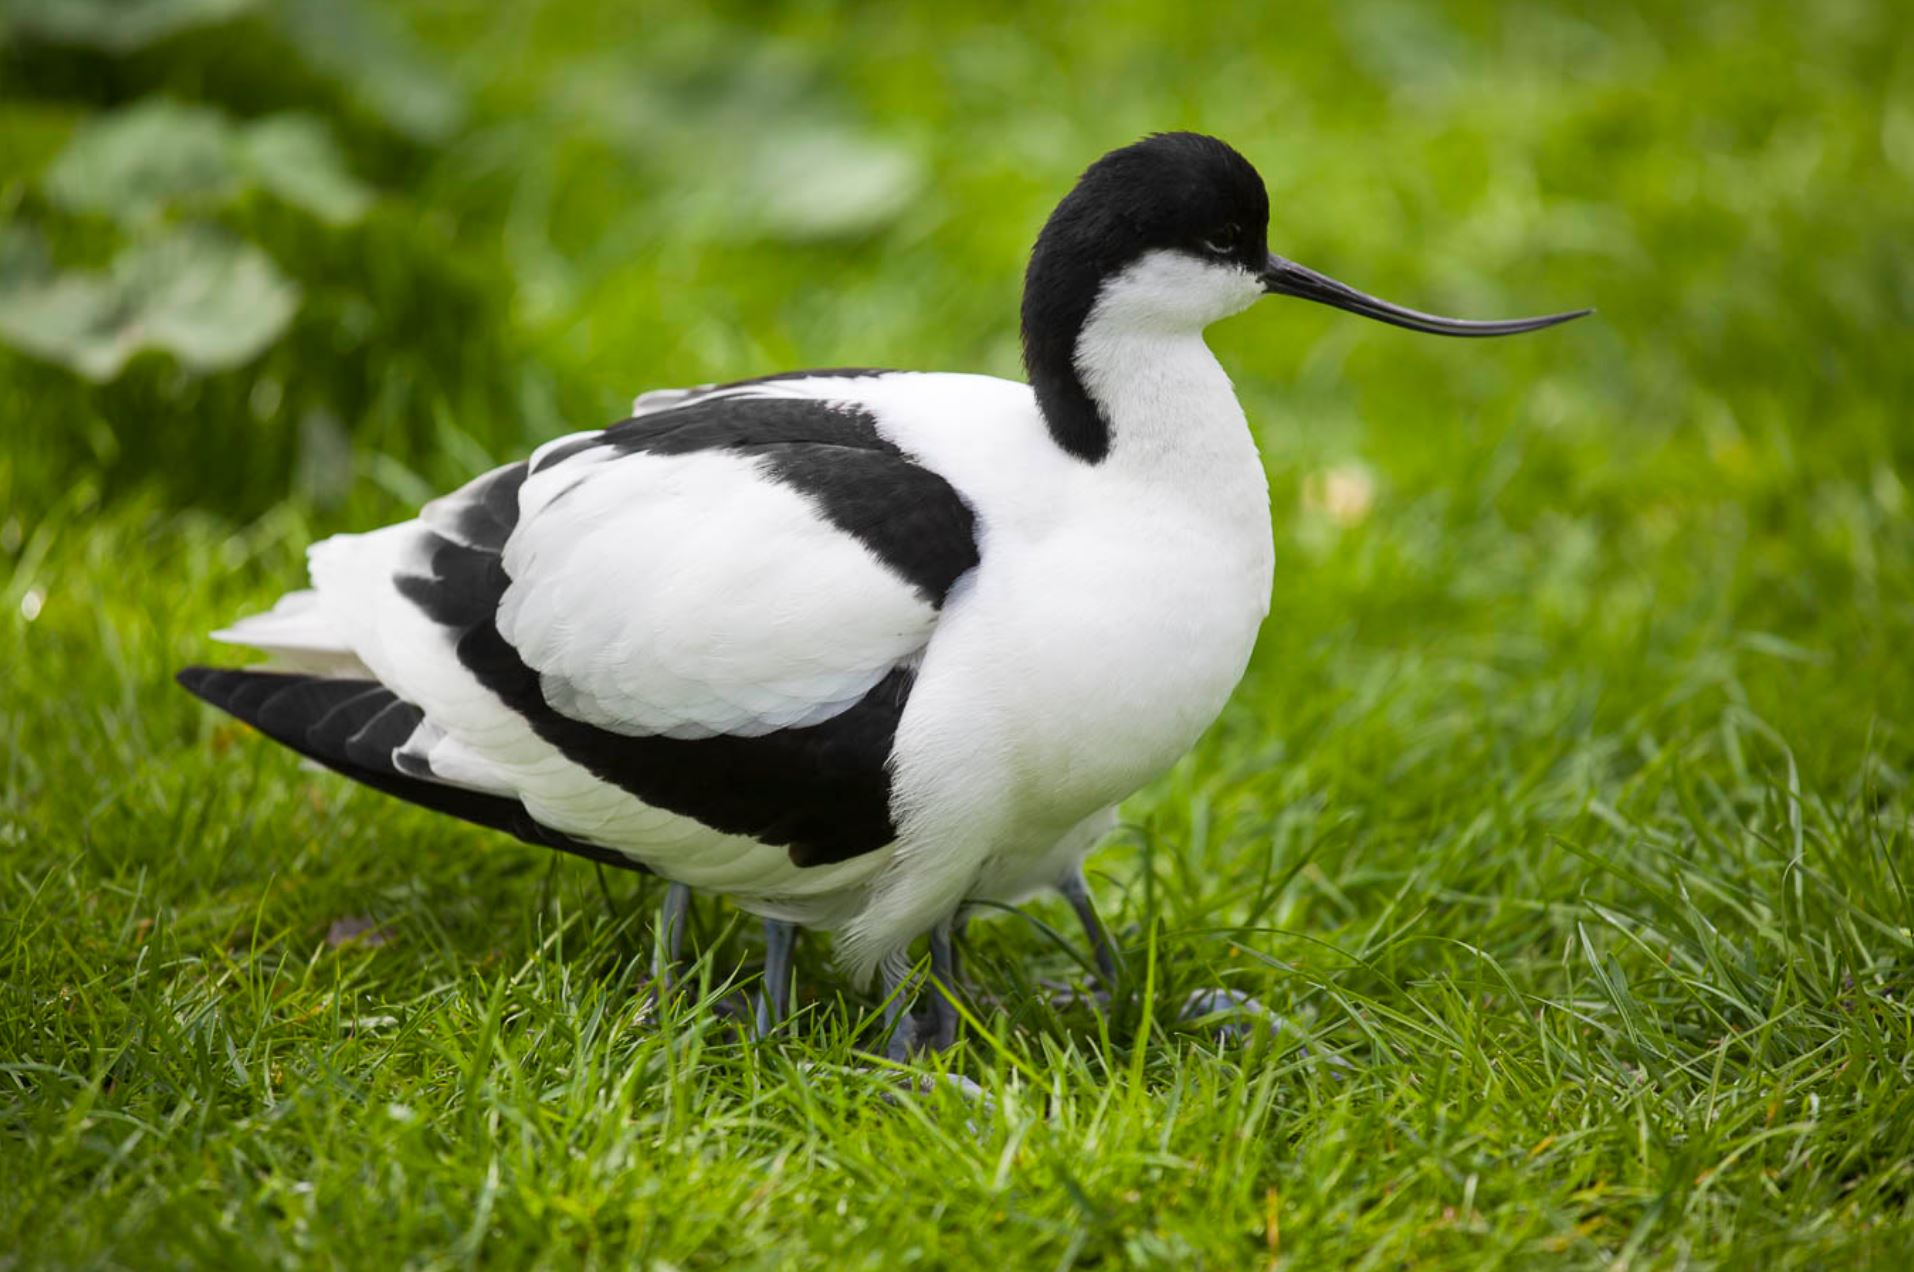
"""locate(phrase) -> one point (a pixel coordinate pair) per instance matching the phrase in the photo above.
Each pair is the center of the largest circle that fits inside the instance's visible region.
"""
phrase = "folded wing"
(700, 624)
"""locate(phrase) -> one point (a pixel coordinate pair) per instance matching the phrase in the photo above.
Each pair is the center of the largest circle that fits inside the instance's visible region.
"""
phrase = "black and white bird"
(855, 648)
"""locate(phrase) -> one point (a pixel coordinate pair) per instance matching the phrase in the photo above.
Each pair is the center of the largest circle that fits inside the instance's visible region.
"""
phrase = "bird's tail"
(360, 728)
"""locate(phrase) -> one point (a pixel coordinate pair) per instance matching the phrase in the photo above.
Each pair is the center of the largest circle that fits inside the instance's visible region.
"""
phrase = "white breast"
(1113, 614)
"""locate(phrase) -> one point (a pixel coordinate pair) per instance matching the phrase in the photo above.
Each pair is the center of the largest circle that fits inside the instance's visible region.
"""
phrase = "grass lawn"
(1564, 812)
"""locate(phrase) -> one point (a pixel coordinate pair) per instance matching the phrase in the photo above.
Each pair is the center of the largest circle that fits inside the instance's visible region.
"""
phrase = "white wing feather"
(692, 595)
(299, 635)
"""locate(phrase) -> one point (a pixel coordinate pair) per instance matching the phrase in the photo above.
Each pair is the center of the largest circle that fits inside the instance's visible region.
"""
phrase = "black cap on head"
(1170, 190)
(1178, 190)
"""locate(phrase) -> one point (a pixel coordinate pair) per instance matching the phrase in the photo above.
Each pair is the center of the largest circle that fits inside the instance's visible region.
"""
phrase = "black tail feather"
(354, 727)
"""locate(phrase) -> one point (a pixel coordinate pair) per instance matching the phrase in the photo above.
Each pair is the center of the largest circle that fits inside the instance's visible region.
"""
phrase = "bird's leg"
(943, 988)
(895, 971)
(1109, 963)
(774, 1000)
(669, 949)
(1219, 1002)
(959, 925)
(936, 1028)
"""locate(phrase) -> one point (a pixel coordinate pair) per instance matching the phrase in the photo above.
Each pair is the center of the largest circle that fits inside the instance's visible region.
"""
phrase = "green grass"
(1564, 810)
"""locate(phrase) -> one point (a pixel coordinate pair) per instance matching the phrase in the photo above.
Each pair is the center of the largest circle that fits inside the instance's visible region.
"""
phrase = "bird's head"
(1174, 227)
(1169, 235)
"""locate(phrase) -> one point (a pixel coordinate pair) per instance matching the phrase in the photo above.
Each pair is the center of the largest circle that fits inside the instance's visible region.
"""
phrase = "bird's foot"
(927, 1085)
(933, 1026)
(931, 1030)
(1066, 995)
(1234, 1018)
(1233, 1015)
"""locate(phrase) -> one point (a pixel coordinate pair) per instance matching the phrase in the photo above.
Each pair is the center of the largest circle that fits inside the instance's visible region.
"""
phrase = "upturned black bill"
(1287, 278)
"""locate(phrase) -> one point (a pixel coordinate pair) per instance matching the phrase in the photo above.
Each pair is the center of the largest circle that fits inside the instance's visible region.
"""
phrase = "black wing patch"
(913, 520)
(486, 519)
(355, 727)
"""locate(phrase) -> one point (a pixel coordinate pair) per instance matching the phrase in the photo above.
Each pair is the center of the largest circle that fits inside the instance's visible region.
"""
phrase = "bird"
(859, 649)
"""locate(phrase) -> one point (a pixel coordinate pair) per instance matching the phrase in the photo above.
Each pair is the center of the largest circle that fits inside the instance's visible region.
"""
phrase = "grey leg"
(1233, 1012)
(671, 936)
(943, 971)
(774, 1000)
(937, 1029)
(1236, 1012)
(958, 926)
(895, 972)
(1077, 892)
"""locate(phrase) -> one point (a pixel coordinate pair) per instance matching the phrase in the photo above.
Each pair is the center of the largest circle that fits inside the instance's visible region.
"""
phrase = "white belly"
(1073, 669)
(1102, 656)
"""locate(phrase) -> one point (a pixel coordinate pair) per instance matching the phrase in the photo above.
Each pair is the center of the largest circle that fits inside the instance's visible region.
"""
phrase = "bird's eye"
(1222, 243)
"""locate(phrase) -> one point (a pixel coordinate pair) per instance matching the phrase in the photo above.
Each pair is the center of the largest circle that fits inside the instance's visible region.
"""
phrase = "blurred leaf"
(75, 320)
(118, 26)
(71, 318)
(391, 73)
(131, 163)
(830, 183)
(294, 157)
(209, 300)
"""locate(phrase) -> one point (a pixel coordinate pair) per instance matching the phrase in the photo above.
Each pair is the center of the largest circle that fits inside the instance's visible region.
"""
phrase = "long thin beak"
(1287, 278)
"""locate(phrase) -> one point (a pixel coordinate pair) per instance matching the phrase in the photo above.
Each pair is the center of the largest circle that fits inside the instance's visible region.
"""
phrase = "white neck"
(1172, 413)
(1169, 403)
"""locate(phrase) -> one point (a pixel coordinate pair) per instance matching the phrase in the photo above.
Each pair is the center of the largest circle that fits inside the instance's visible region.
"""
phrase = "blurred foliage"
(117, 26)
(131, 164)
(228, 293)
(210, 302)
(576, 201)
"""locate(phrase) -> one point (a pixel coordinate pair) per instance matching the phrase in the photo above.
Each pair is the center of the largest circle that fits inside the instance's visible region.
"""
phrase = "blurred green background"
(1588, 654)
(498, 222)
